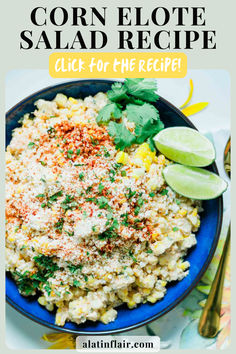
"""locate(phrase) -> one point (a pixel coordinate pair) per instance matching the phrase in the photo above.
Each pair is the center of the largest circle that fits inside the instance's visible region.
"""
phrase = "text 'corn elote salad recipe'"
(90, 221)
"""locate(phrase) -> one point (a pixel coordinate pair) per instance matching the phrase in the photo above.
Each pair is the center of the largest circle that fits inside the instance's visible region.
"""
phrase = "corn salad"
(88, 227)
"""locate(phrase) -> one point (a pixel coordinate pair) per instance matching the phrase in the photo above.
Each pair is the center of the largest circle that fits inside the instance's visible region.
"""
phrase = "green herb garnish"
(51, 132)
(130, 193)
(132, 256)
(102, 202)
(107, 235)
(74, 268)
(59, 225)
(136, 210)
(164, 191)
(31, 144)
(125, 221)
(54, 197)
(144, 89)
(100, 187)
(40, 196)
(111, 110)
(81, 176)
(122, 136)
(69, 203)
(94, 142)
(91, 199)
(76, 283)
(132, 97)
(70, 233)
(69, 154)
(79, 164)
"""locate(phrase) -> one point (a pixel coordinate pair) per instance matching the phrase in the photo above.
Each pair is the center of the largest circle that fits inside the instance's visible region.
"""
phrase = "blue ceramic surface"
(199, 256)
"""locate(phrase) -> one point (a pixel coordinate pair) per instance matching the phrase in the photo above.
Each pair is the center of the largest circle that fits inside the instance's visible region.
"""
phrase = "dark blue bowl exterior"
(199, 256)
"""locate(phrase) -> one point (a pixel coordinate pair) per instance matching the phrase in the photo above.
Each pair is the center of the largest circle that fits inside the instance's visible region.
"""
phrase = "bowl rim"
(188, 289)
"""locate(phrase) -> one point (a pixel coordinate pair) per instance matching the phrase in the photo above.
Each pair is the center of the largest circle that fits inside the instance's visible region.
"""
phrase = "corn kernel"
(24, 227)
(59, 321)
(144, 156)
(138, 172)
(131, 304)
(108, 316)
(122, 157)
(137, 298)
(42, 301)
(194, 212)
(50, 307)
(182, 212)
(123, 293)
(152, 299)
(108, 277)
(146, 291)
(69, 115)
(91, 281)
(183, 265)
(153, 184)
(60, 100)
(155, 235)
(73, 100)
(197, 223)
(161, 159)
(11, 238)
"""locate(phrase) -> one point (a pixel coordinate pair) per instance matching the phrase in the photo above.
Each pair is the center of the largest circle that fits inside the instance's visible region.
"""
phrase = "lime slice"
(186, 146)
(194, 182)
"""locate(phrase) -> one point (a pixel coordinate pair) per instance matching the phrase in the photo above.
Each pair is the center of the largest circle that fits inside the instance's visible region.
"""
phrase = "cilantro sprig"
(28, 283)
(111, 110)
(131, 99)
(144, 89)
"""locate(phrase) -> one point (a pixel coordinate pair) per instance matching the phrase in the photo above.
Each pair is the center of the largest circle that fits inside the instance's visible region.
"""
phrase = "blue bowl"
(199, 256)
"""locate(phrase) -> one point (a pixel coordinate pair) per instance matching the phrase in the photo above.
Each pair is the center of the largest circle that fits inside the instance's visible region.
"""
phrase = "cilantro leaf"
(46, 262)
(122, 136)
(147, 131)
(31, 145)
(147, 121)
(142, 88)
(109, 233)
(133, 96)
(141, 114)
(151, 144)
(136, 101)
(117, 93)
(102, 202)
(111, 110)
(74, 268)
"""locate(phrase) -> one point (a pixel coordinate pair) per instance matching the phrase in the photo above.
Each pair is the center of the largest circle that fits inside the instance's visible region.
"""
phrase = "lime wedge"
(194, 182)
(186, 146)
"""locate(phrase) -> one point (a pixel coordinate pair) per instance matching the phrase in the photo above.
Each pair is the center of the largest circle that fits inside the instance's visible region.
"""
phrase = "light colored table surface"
(212, 86)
